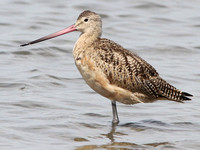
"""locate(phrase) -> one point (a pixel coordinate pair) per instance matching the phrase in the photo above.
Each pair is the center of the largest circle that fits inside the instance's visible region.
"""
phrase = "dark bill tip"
(24, 44)
(61, 32)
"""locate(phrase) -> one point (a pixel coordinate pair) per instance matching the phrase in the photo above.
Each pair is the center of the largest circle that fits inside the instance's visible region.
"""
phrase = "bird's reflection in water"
(123, 145)
(110, 135)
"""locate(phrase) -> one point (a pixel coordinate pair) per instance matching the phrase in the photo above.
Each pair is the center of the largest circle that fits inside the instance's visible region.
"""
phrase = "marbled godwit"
(111, 70)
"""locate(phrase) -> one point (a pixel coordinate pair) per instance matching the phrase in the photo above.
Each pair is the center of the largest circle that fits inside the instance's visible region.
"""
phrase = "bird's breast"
(93, 76)
(99, 82)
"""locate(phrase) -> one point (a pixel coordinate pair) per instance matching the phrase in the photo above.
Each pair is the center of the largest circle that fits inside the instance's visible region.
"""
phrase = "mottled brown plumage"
(128, 71)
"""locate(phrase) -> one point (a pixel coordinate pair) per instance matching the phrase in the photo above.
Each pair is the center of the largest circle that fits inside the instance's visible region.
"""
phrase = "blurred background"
(45, 104)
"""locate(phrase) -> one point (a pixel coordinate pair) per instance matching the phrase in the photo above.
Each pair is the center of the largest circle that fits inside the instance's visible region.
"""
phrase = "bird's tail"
(169, 92)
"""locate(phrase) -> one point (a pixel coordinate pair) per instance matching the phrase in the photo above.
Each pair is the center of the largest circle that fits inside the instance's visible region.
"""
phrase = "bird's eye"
(86, 20)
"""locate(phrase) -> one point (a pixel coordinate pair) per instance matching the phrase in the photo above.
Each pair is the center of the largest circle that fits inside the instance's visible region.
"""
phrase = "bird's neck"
(85, 41)
(89, 37)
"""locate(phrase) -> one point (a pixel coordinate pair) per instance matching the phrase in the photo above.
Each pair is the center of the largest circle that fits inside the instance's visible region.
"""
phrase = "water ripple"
(45, 104)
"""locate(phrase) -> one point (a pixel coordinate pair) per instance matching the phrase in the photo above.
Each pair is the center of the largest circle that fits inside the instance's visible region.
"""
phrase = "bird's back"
(128, 71)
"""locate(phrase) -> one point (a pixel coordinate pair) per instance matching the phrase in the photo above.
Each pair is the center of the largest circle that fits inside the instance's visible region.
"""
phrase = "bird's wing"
(124, 68)
(127, 70)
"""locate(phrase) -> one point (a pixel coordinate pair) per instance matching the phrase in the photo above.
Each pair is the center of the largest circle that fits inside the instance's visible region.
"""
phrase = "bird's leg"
(115, 115)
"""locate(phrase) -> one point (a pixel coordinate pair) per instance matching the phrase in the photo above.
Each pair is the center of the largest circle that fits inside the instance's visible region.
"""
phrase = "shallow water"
(45, 104)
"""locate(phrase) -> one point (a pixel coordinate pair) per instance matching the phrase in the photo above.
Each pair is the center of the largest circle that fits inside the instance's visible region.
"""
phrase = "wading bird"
(113, 71)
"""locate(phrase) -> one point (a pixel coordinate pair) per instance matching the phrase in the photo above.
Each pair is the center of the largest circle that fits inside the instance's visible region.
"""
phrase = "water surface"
(45, 104)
